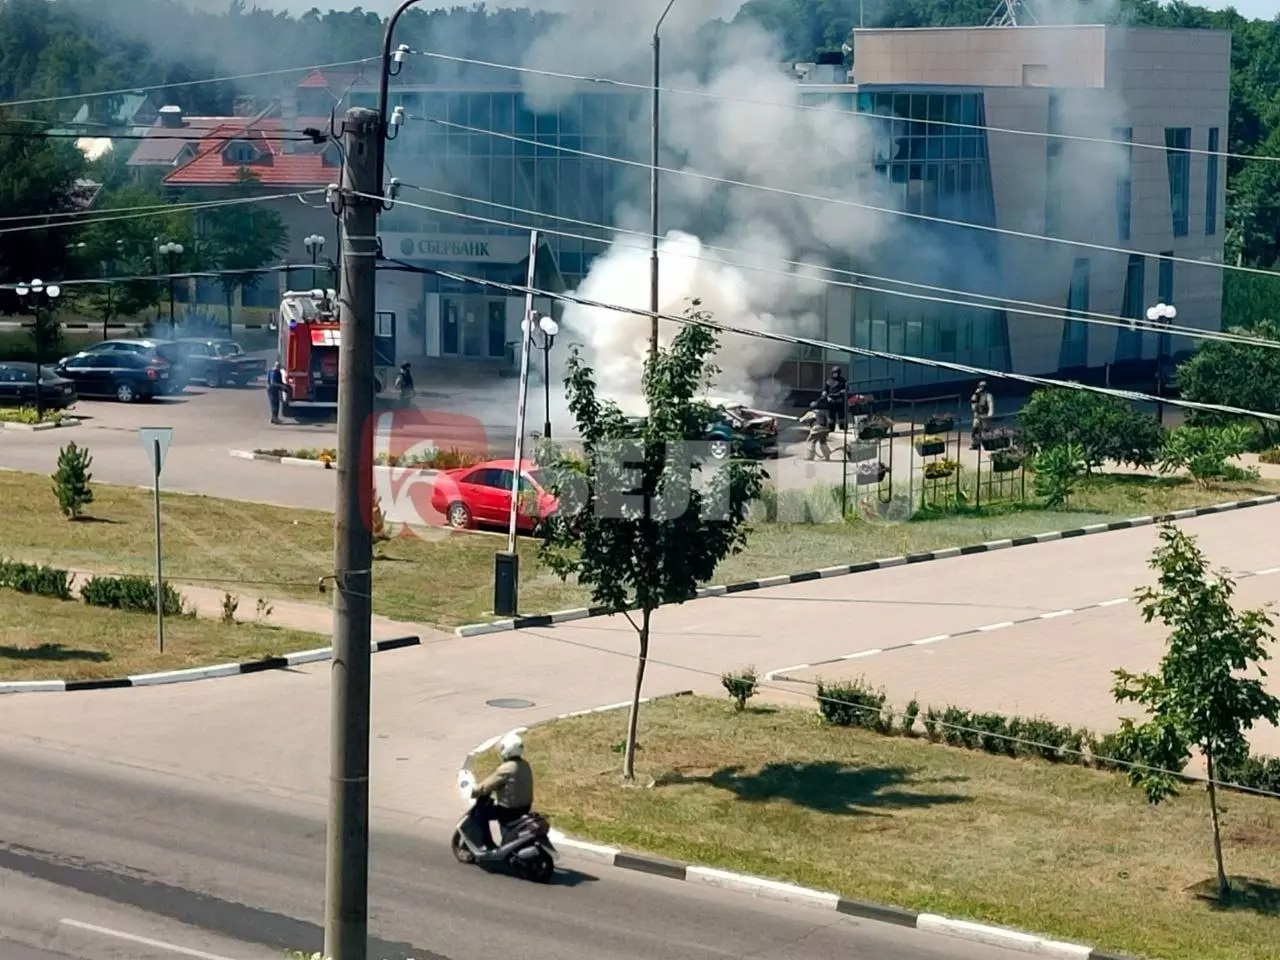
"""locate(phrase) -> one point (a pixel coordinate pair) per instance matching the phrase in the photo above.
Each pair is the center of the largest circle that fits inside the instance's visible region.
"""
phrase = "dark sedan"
(218, 362)
(160, 352)
(18, 387)
(124, 376)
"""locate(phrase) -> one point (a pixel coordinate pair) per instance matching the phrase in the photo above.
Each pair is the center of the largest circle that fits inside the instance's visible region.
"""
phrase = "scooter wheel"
(461, 852)
(541, 868)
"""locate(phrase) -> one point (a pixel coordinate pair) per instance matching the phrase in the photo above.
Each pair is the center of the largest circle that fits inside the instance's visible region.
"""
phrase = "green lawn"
(1066, 852)
(46, 639)
(446, 579)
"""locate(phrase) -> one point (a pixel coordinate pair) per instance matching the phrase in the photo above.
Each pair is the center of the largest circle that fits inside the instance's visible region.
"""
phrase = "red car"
(481, 494)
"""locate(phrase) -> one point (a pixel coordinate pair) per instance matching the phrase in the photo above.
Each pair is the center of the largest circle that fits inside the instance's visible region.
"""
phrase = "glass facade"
(1052, 161)
(1129, 342)
(1074, 351)
(1124, 184)
(1211, 185)
(1177, 142)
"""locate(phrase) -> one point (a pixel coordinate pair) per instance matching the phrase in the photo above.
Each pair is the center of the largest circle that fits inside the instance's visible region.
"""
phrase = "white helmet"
(511, 746)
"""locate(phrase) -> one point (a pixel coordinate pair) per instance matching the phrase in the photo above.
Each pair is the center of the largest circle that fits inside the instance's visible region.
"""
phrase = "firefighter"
(982, 407)
(818, 417)
(275, 390)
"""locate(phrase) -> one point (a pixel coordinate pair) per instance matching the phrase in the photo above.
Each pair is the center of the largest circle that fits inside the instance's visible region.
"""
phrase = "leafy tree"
(1236, 375)
(640, 552)
(37, 176)
(1208, 690)
(1205, 453)
(1057, 471)
(71, 480)
(242, 237)
(1105, 428)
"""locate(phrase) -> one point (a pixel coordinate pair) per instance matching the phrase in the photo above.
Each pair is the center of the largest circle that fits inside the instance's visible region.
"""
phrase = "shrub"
(1271, 456)
(1045, 739)
(992, 730)
(931, 728)
(1256, 771)
(35, 579)
(378, 520)
(130, 593)
(1204, 453)
(957, 731)
(852, 703)
(1057, 470)
(230, 604)
(741, 686)
(29, 416)
(1104, 427)
(71, 481)
(909, 717)
(1112, 747)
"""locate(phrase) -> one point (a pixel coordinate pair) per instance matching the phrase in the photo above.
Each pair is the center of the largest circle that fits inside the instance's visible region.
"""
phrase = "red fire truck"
(309, 341)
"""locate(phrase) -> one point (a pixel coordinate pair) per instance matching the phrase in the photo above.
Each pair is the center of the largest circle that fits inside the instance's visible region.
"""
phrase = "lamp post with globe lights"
(1164, 314)
(38, 290)
(548, 328)
(171, 252)
(314, 244)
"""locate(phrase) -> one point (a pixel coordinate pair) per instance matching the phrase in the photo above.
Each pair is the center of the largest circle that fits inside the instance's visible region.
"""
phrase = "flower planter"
(943, 424)
(859, 405)
(865, 477)
(938, 471)
(931, 448)
(997, 442)
(1006, 463)
(875, 429)
(857, 452)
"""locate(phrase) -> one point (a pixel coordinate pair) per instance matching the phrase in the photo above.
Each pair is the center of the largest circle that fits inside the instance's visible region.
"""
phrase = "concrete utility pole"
(346, 912)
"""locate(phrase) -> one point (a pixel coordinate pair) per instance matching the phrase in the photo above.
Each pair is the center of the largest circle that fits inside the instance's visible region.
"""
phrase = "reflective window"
(1211, 185)
(1177, 141)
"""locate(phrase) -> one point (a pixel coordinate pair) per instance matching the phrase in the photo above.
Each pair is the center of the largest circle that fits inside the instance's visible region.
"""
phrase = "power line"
(185, 275)
(798, 195)
(207, 205)
(966, 369)
(185, 83)
(996, 302)
(59, 135)
(703, 94)
(158, 208)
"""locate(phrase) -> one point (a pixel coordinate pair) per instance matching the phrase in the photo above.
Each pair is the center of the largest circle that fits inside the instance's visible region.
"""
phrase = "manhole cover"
(509, 703)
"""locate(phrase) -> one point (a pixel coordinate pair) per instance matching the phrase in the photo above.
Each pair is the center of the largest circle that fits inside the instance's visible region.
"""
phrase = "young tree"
(1237, 375)
(1200, 697)
(243, 237)
(1106, 428)
(71, 480)
(638, 552)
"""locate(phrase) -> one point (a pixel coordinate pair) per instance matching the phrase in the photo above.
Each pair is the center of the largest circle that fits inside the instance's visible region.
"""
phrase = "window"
(240, 152)
(1165, 291)
(1211, 185)
(1052, 159)
(1075, 334)
(1129, 342)
(1124, 184)
(1177, 142)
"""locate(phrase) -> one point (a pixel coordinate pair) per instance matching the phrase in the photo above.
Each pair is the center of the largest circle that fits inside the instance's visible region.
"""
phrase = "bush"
(931, 728)
(71, 481)
(35, 579)
(230, 604)
(741, 686)
(1057, 470)
(1271, 456)
(130, 593)
(1112, 752)
(1104, 427)
(909, 718)
(29, 416)
(853, 703)
(1256, 771)
(1204, 453)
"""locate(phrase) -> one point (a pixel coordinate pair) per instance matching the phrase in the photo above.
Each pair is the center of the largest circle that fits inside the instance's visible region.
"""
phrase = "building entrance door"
(473, 327)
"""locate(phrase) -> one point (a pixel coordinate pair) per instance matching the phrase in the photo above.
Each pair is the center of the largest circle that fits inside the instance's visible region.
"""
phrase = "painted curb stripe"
(790, 893)
(196, 673)
(866, 566)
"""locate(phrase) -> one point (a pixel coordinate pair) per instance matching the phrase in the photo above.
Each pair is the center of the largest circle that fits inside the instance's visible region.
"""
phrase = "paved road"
(241, 877)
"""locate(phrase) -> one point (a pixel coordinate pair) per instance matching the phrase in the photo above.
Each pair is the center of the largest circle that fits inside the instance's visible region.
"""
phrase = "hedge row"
(130, 593)
(34, 578)
(857, 704)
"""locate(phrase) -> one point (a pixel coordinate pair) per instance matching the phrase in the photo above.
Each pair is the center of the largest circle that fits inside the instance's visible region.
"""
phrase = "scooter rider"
(507, 794)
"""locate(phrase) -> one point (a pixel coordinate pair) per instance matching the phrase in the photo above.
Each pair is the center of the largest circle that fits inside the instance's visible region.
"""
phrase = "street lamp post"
(171, 251)
(653, 185)
(1164, 314)
(549, 329)
(314, 244)
(37, 289)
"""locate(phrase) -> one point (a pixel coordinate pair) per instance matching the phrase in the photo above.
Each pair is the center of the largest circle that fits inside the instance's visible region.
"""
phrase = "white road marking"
(862, 653)
(1114, 603)
(921, 642)
(996, 626)
(1056, 613)
(142, 941)
(775, 674)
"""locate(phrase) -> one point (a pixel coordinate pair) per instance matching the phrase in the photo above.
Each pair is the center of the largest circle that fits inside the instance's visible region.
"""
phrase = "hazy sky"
(1249, 8)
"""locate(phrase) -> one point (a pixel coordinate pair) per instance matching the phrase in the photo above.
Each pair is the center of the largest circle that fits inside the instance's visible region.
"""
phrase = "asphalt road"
(240, 876)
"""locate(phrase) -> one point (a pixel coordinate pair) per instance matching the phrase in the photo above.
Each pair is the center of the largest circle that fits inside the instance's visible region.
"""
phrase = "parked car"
(468, 496)
(18, 387)
(753, 434)
(116, 373)
(217, 362)
(150, 348)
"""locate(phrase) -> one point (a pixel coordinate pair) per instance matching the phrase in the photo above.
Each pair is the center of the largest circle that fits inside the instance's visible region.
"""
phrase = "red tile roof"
(303, 166)
(330, 79)
(163, 144)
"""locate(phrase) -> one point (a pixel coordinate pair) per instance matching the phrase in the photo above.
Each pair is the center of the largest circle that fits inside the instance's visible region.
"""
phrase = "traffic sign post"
(155, 440)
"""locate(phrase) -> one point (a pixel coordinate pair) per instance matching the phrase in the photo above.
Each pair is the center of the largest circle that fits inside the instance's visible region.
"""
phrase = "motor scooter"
(525, 846)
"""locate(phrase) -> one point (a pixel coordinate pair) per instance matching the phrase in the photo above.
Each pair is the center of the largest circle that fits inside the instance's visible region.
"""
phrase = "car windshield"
(227, 349)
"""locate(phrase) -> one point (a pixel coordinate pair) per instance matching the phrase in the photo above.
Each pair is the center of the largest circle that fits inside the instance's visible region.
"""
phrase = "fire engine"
(310, 337)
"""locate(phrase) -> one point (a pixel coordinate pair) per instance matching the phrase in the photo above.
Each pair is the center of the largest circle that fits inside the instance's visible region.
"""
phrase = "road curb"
(195, 673)
(39, 427)
(584, 613)
(781, 891)
(322, 464)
